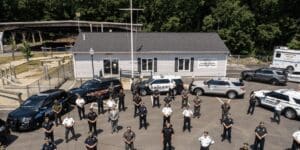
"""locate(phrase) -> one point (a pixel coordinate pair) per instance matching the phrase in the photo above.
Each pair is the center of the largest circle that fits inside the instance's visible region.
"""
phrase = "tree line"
(248, 27)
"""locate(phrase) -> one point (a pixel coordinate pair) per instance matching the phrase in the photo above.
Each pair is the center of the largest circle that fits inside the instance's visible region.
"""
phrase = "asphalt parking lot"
(279, 136)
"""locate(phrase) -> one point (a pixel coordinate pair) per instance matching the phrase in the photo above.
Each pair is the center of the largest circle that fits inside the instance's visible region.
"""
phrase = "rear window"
(238, 83)
(297, 100)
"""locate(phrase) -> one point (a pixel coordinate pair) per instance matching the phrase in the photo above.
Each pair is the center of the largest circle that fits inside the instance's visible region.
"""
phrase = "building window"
(184, 64)
(147, 64)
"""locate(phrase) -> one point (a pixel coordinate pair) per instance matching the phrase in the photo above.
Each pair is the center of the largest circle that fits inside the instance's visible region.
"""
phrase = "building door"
(111, 66)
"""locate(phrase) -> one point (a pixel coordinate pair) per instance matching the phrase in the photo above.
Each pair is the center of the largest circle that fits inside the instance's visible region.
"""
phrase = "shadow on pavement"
(58, 141)
(11, 139)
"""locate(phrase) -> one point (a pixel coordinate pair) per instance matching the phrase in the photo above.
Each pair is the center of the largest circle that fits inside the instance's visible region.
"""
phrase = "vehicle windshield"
(34, 102)
(297, 100)
(280, 72)
(87, 84)
(238, 83)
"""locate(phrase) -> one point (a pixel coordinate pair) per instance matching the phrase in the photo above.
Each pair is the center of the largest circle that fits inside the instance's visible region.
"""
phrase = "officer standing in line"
(225, 109)
(167, 112)
(129, 137)
(171, 93)
(296, 140)
(92, 120)
(185, 99)
(80, 106)
(167, 134)
(227, 124)
(48, 128)
(143, 116)
(155, 99)
(260, 134)
(121, 96)
(252, 103)
(168, 99)
(48, 145)
(277, 111)
(137, 100)
(69, 125)
(205, 141)
(91, 142)
(197, 106)
(100, 104)
(187, 114)
(114, 118)
(111, 90)
(57, 108)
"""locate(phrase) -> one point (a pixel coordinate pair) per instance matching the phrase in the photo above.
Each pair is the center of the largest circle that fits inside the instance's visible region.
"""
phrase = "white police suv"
(289, 99)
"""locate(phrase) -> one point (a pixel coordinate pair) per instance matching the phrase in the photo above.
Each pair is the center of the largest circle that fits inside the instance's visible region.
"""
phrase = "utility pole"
(131, 34)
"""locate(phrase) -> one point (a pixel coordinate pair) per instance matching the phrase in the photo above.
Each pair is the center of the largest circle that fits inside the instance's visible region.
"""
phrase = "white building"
(184, 54)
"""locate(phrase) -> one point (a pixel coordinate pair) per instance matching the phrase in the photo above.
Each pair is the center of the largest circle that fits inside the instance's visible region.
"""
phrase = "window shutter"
(155, 64)
(176, 64)
(192, 64)
(139, 65)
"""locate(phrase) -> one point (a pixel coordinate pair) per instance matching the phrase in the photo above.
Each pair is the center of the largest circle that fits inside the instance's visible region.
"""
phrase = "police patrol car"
(162, 83)
(289, 99)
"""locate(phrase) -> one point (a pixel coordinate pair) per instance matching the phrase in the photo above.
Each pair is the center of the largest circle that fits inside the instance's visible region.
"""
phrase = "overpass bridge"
(32, 28)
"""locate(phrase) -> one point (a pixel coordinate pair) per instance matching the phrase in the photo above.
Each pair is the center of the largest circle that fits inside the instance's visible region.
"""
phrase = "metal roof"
(150, 42)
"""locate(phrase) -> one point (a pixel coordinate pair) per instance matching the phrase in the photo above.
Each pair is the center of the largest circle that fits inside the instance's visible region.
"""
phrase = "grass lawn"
(28, 65)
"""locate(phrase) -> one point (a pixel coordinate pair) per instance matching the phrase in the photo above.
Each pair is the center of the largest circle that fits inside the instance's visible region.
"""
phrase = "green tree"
(26, 50)
(295, 42)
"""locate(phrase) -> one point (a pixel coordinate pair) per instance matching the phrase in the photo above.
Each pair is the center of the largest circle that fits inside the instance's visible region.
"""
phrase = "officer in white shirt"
(296, 140)
(110, 104)
(167, 112)
(205, 141)
(187, 114)
(80, 106)
(277, 111)
(69, 125)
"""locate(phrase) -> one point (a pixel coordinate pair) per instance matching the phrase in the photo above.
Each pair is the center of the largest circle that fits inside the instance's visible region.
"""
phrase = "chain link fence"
(247, 60)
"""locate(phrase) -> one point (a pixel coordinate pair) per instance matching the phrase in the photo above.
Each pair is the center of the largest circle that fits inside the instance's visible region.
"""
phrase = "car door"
(161, 85)
(267, 75)
(272, 98)
(258, 75)
(46, 108)
(212, 86)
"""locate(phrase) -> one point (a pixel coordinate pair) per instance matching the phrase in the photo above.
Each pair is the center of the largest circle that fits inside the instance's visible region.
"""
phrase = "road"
(278, 138)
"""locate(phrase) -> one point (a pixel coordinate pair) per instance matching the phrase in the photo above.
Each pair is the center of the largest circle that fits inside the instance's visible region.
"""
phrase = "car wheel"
(198, 92)
(274, 82)
(248, 78)
(290, 69)
(231, 94)
(290, 113)
(143, 92)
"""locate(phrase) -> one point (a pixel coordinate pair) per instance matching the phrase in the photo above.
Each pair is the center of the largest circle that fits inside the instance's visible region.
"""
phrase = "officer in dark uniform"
(91, 142)
(225, 110)
(168, 99)
(252, 103)
(167, 134)
(185, 99)
(48, 145)
(100, 104)
(227, 124)
(137, 100)
(111, 90)
(143, 116)
(171, 93)
(48, 128)
(57, 108)
(197, 106)
(121, 96)
(155, 98)
(129, 137)
(260, 133)
(92, 120)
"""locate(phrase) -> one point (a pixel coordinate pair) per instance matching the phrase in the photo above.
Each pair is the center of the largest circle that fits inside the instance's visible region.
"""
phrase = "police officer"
(48, 128)
(92, 120)
(245, 146)
(296, 140)
(91, 142)
(225, 109)
(277, 111)
(57, 108)
(155, 99)
(205, 141)
(197, 106)
(80, 106)
(121, 96)
(167, 134)
(100, 104)
(48, 145)
(171, 93)
(69, 125)
(168, 99)
(111, 90)
(143, 116)
(129, 137)
(185, 99)
(114, 118)
(260, 134)
(137, 100)
(167, 112)
(252, 103)
(227, 124)
(187, 114)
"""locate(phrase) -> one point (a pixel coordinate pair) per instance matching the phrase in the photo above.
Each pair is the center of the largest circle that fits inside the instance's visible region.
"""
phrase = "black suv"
(271, 75)
(4, 132)
(95, 85)
(31, 113)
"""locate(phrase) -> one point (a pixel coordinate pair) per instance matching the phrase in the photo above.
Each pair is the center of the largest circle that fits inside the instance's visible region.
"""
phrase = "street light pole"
(131, 39)
(78, 18)
(92, 58)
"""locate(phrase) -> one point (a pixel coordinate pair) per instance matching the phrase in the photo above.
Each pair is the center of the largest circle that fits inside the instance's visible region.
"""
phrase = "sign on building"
(207, 63)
